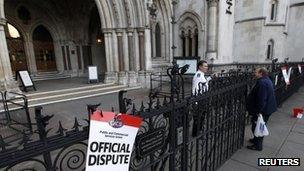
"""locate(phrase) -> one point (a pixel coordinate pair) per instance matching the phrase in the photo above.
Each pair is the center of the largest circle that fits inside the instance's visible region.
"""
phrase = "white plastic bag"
(260, 128)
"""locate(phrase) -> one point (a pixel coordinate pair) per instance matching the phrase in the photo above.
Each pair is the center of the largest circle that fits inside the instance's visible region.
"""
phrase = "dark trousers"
(198, 123)
(258, 141)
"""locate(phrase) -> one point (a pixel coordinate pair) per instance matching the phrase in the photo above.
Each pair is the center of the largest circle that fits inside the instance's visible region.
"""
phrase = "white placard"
(286, 74)
(276, 80)
(93, 74)
(111, 141)
(191, 62)
(25, 78)
(300, 68)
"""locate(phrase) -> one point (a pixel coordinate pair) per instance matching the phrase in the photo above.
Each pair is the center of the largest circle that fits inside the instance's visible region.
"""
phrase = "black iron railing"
(180, 131)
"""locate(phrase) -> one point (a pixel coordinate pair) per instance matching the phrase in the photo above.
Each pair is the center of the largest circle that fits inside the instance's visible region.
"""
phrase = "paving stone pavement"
(286, 140)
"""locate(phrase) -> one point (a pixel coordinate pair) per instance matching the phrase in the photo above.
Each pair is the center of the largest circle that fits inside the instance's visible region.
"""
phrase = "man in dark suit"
(261, 100)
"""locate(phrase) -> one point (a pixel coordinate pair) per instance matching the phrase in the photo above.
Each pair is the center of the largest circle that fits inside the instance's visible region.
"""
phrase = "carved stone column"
(6, 76)
(141, 36)
(133, 76)
(120, 50)
(29, 51)
(187, 44)
(212, 35)
(122, 74)
(110, 75)
(193, 38)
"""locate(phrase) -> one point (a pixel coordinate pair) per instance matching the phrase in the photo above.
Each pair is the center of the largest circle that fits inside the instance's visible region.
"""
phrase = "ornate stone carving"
(115, 10)
(141, 30)
(107, 31)
(127, 12)
(212, 3)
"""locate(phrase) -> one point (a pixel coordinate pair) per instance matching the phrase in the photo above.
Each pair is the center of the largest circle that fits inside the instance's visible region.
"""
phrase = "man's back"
(262, 97)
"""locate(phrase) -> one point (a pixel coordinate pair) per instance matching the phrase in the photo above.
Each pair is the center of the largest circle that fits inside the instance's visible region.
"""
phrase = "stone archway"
(15, 44)
(95, 51)
(123, 28)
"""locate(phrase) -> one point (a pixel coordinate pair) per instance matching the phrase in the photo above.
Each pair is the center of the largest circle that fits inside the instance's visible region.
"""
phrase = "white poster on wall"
(25, 78)
(93, 74)
(191, 62)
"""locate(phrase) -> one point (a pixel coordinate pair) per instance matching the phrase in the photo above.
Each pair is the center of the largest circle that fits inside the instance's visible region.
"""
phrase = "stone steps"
(57, 96)
(52, 75)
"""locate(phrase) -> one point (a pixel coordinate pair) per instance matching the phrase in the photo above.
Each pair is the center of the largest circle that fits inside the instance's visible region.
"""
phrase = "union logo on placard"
(116, 122)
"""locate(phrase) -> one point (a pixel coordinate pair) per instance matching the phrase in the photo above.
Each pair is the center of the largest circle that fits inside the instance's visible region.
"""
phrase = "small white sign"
(300, 68)
(93, 74)
(300, 115)
(25, 78)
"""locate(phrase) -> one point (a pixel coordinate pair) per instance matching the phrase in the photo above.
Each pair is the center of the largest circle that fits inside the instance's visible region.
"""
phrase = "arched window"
(15, 46)
(273, 10)
(189, 37)
(270, 49)
(158, 40)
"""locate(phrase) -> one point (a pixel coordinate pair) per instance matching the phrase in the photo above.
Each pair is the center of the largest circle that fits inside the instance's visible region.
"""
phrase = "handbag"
(260, 128)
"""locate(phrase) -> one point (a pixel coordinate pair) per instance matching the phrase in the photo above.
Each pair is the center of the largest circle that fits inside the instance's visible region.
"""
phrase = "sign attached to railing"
(111, 141)
(286, 74)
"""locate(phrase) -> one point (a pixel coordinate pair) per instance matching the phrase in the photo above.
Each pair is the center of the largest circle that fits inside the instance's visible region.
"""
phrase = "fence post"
(42, 121)
(172, 74)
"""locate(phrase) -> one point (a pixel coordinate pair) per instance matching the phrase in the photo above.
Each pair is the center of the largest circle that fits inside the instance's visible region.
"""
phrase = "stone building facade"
(129, 39)
(266, 29)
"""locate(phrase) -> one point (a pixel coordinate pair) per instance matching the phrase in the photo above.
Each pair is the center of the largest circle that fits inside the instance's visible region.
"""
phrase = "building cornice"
(250, 19)
(297, 4)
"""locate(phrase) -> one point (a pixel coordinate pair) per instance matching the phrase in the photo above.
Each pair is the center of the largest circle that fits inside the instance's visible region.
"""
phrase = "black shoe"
(253, 147)
(251, 140)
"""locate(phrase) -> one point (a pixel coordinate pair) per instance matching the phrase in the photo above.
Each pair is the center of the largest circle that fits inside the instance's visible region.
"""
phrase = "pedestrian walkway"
(286, 140)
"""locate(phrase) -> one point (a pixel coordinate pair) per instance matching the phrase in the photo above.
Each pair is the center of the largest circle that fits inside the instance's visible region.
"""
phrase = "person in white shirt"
(200, 81)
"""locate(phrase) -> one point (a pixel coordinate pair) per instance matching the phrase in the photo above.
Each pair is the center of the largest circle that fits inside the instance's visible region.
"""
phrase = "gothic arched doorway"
(44, 49)
(15, 46)
(96, 49)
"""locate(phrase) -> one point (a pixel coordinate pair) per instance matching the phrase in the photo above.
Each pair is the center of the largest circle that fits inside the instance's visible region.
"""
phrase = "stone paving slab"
(291, 149)
(286, 140)
(232, 165)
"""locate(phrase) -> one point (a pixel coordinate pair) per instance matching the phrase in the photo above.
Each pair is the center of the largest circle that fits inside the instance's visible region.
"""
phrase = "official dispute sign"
(111, 141)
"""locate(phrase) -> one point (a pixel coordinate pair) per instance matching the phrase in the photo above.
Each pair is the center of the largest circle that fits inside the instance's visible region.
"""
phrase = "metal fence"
(14, 116)
(179, 131)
